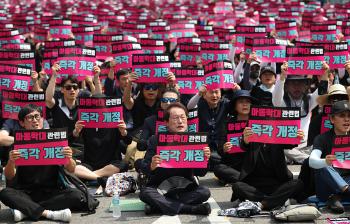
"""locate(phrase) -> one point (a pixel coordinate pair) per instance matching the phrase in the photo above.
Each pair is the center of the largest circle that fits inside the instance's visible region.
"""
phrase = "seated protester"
(115, 85)
(263, 92)
(169, 96)
(336, 92)
(228, 171)
(264, 176)
(190, 199)
(96, 140)
(332, 184)
(212, 111)
(34, 191)
(292, 91)
(145, 105)
(63, 109)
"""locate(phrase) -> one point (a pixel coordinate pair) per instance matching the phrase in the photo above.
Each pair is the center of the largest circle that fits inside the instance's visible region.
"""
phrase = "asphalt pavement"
(220, 199)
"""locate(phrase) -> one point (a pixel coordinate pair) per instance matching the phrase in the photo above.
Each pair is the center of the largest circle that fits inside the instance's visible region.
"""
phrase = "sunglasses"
(69, 87)
(168, 100)
(151, 87)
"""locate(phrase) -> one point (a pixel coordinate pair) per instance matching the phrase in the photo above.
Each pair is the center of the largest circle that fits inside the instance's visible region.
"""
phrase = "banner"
(41, 147)
(151, 68)
(326, 124)
(76, 61)
(267, 49)
(13, 77)
(60, 29)
(286, 29)
(56, 44)
(335, 54)
(122, 53)
(182, 150)
(275, 125)
(341, 150)
(214, 51)
(189, 50)
(189, 80)
(100, 112)
(234, 135)
(84, 35)
(15, 57)
(323, 32)
(248, 31)
(218, 74)
(13, 101)
(152, 46)
(305, 60)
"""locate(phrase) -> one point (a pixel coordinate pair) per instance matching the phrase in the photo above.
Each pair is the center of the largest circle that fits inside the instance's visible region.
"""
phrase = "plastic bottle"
(116, 206)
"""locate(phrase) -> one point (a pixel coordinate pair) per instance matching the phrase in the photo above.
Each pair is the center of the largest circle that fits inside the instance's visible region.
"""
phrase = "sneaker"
(18, 215)
(61, 215)
(335, 205)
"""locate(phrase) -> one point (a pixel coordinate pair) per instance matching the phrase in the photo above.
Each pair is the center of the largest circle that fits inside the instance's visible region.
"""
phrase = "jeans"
(328, 182)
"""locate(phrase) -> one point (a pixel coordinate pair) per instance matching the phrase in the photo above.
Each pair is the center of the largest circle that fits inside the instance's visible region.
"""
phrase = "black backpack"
(71, 181)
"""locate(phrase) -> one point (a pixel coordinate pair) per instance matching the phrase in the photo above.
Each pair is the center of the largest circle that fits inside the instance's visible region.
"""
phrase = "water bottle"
(116, 206)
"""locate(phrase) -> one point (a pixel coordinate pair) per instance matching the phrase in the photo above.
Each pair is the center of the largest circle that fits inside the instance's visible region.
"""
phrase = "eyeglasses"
(32, 117)
(168, 100)
(151, 87)
(69, 87)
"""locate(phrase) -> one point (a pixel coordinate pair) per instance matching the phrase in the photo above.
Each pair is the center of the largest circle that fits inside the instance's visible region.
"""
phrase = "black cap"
(297, 77)
(243, 93)
(340, 106)
(268, 69)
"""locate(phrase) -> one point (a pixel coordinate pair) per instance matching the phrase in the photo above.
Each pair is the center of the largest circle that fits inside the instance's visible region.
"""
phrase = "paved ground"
(220, 199)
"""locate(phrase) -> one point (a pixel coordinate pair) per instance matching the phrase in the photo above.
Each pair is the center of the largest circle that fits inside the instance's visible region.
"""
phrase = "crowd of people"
(258, 173)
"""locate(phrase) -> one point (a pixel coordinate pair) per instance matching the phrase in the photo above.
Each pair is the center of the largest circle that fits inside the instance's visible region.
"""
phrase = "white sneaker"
(62, 215)
(17, 215)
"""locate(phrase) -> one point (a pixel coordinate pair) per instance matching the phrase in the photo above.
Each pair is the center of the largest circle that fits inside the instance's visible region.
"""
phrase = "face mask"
(254, 74)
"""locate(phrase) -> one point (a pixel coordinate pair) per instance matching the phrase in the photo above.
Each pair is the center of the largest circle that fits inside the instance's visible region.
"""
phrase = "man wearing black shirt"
(191, 197)
(34, 191)
(212, 112)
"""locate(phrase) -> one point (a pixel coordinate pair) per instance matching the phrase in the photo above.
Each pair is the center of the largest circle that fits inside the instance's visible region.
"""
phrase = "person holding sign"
(185, 196)
(332, 184)
(264, 176)
(212, 110)
(228, 171)
(34, 191)
(145, 105)
(63, 109)
(292, 91)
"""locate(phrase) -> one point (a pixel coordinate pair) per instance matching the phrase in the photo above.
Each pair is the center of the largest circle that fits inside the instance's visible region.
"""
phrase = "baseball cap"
(340, 106)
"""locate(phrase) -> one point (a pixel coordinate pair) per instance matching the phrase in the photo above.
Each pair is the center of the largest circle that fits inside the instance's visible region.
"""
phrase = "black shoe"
(202, 209)
(335, 205)
(150, 210)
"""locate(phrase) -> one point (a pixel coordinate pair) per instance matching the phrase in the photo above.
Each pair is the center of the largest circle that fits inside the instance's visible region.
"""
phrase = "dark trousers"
(171, 205)
(272, 198)
(33, 203)
(226, 173)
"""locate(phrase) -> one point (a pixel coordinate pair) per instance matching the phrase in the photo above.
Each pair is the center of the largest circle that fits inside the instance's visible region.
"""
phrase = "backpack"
(121, 184)
(71, 181)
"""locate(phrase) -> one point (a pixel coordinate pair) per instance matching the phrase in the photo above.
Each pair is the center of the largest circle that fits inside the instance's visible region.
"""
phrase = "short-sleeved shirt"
(64, 117)
(324, 142)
